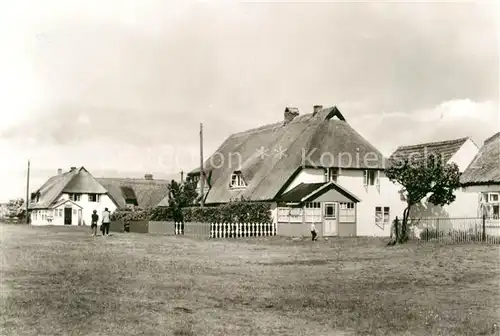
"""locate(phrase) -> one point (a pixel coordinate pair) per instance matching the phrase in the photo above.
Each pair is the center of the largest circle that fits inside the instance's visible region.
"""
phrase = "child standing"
(313, 232)
(93, 225)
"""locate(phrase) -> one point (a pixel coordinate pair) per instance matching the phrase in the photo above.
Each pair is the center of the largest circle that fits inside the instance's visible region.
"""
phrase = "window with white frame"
(382, 215)
(493, 204)
(371, 178)
(312, 212)
(347, 212)
(237, 180)
(94, 198)
(75, 197)
(333, 174)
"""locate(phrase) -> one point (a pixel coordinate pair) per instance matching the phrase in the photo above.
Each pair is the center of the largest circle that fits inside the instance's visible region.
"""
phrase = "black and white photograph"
(249, 167)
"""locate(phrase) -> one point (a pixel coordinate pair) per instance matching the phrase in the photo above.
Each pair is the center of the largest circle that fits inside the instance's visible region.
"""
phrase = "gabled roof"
(58, 204)
(147, 193)
(446, 148)
(485, 168)
(50, 190)
(265, 171)
(305, 192)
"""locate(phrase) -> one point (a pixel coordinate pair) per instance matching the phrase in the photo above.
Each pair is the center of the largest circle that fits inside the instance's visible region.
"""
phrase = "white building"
(312, 168)
(481, 180)
(460, 151)
(69, 198)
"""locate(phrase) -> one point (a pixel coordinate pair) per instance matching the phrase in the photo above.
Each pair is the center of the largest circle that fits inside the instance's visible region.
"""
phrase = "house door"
(330, 219)
(68, 215)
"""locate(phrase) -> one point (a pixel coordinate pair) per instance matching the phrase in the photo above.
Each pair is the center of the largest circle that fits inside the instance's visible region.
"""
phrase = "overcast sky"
(120, 87)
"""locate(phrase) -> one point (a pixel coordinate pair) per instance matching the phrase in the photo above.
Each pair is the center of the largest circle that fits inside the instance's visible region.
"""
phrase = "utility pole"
(202, 174)
(27, 192)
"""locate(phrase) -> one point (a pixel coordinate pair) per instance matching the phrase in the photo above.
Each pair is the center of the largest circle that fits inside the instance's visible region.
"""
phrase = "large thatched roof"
(141, 192)
(485, 168)
(322, 139)
(446, 149)
(73, 181)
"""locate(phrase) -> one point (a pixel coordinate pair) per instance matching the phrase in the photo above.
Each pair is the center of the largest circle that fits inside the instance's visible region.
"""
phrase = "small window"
(75, 197)
(237, 180)
(370, 177)
(382, 215)
(313, 205)
(495, 211)
(493, 198)
(94, 197)
(333, 174)
(330, 211)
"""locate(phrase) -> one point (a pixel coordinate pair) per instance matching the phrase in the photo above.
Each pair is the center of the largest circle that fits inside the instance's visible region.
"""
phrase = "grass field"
(62, 281)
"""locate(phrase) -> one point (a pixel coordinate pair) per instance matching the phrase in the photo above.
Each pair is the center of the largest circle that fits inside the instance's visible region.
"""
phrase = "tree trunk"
(403, 233)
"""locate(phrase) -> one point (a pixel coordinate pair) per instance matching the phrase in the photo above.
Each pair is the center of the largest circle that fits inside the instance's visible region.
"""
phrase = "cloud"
(448, 120)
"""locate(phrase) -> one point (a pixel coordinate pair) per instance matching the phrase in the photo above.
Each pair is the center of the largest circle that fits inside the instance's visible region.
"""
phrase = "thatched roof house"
(264, 160)
(485, 168)
(144, 193)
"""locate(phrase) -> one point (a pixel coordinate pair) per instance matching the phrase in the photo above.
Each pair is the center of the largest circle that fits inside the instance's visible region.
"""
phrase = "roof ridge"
(434, 143)
(280, 123)
(493, 137)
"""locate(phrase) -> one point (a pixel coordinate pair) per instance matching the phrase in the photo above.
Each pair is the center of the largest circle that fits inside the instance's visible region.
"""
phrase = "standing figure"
(106, 220)
(93, 225)
(314, 234)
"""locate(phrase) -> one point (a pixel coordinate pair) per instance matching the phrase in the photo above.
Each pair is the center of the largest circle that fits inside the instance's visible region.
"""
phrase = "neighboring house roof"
(485, 167)
(446, 148)
(266, 172)
(123, 191)
(141, 192)
(305, 192)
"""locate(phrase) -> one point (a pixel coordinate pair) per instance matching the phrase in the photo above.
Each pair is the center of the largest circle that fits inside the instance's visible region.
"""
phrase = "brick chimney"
(72, 169)
(182, 176)
(316, 109)
(290, 114)
(148, 176)
(59, 171)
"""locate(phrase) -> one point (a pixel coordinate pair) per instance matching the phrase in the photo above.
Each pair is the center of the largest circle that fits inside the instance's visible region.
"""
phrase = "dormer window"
(237, 180)
(333, 174)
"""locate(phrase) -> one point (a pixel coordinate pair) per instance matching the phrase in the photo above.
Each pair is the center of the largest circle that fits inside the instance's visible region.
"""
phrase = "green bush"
(127, 215)
(234, 212)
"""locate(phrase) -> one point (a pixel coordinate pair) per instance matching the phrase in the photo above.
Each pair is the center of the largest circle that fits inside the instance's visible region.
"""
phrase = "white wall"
(308, 175)
(464, 156)
(89, 207)
(371, 197)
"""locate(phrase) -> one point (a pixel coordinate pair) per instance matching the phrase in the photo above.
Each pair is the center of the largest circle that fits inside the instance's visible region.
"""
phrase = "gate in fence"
(226, 230)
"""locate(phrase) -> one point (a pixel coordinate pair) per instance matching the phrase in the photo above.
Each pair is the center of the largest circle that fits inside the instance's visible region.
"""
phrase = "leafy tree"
(181, 196)
(429, 176)
(16, 208)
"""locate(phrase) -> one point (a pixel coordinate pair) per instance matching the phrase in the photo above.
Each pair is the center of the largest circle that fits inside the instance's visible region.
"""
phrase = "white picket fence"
(225, 230)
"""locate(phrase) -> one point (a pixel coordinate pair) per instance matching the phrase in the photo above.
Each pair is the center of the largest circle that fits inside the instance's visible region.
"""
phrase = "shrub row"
(234, 212)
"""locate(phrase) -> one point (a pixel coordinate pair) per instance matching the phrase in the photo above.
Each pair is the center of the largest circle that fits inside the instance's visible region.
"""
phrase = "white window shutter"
(377, 181)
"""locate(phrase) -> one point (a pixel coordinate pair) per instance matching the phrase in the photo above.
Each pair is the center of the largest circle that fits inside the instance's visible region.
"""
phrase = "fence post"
(484, 228)
(437, 229)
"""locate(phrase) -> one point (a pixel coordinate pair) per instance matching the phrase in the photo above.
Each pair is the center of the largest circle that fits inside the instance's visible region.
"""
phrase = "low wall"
(117, 226)
(138, 226)
(161, 227)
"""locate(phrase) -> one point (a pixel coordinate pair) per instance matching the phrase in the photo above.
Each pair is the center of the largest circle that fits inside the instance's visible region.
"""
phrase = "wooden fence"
(226, 230)
(456, 230)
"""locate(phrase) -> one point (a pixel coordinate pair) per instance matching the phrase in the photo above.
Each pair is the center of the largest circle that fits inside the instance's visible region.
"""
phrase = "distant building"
(69, 198)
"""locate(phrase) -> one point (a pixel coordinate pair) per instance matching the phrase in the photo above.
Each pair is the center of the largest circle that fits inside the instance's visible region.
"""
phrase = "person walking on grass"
(93, 225)
(314, 234)
(106, 220)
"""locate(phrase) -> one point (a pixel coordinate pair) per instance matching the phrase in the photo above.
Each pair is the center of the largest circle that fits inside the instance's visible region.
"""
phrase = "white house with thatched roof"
(482, 179)
(460, 151)
(312, 168)
(69, 198)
